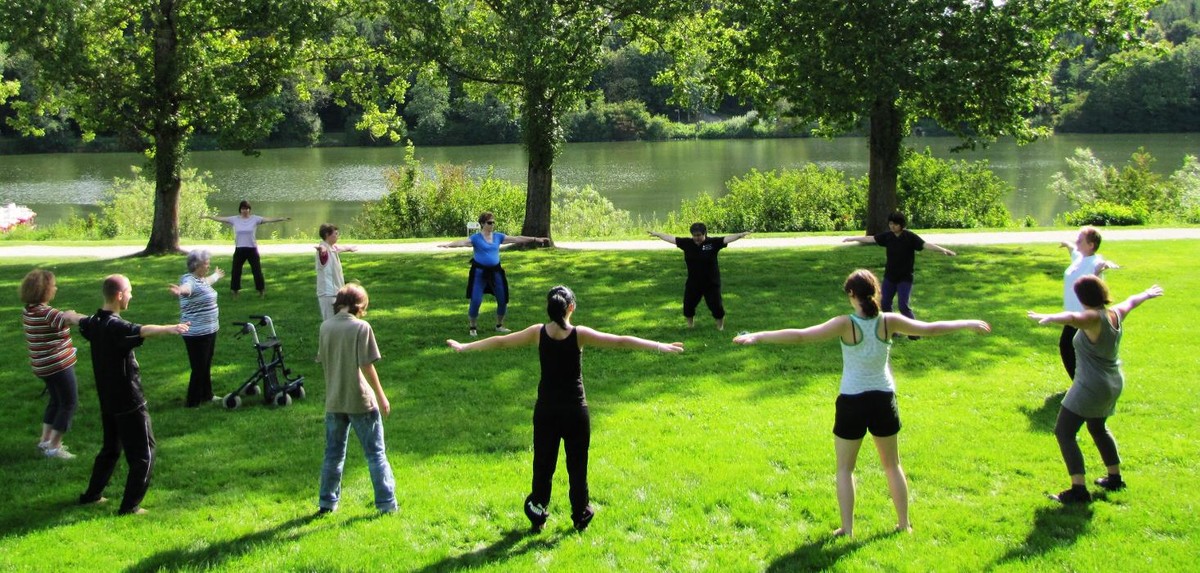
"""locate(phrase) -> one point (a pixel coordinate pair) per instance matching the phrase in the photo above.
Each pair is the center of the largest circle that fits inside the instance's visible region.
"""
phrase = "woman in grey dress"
(1097, 383)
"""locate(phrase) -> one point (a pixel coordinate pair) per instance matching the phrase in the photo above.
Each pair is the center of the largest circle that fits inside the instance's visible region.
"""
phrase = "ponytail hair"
(1092, 291)
(353, 298)
(558, 301)
(864, 287)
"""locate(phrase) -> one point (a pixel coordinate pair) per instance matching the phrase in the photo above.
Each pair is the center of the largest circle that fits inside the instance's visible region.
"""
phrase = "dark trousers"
(242, 255)
(1066, 349)
(64, 398)
(901, 289)
(1067, 427)
(692, 293)
(129, 433)
(200, 354)
(573, 426)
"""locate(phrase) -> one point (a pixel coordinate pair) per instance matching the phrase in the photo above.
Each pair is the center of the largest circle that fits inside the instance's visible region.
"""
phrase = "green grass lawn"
(717, 459)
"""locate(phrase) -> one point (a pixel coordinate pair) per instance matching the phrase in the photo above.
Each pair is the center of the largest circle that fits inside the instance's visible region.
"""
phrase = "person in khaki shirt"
(353, 398)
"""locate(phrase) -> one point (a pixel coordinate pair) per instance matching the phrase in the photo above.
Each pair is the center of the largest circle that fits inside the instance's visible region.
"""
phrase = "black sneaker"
(914, 337)
(537, 515)
(1111, 483)
(583, 518)
(1073, 495)
(323, 511)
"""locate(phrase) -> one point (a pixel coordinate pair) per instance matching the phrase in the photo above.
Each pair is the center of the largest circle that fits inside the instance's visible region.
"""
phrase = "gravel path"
(751, 242)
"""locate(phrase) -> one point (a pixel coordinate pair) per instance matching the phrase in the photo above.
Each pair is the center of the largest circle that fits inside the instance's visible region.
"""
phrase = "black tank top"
(562, 373)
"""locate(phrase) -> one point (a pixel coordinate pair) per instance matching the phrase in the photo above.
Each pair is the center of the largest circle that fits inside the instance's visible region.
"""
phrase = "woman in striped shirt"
(53, 357)
(198, 307)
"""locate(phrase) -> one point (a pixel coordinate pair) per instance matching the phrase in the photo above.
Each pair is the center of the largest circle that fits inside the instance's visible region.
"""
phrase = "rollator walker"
(277, 385)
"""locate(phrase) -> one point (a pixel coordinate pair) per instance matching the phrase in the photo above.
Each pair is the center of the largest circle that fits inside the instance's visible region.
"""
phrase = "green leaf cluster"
(1130, 194)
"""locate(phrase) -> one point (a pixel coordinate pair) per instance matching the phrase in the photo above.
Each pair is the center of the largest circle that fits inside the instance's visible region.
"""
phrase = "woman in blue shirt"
(486, 275)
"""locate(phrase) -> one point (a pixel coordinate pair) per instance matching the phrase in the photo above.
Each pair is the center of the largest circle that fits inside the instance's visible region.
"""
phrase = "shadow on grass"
(1054, 527)
(822, 553)
(503, 549)
(215, 554)
(1043, 418)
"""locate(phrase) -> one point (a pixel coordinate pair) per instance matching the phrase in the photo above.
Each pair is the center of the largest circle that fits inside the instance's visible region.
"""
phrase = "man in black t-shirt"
(704, 276)
(902, 246)
(123, 415)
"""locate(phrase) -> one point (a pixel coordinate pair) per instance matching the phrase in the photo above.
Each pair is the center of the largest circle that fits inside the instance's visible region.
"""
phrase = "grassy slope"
(716, 459)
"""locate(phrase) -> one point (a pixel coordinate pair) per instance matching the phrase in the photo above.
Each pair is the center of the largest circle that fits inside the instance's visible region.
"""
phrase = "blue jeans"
(477, 295)
(369, 429)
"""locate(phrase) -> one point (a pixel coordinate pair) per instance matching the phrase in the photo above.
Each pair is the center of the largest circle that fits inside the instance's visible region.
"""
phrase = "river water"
(646, 178)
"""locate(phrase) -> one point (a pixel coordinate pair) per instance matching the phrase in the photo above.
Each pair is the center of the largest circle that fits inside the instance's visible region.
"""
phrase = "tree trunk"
(168, 134)
(886, 137)
(541, 144)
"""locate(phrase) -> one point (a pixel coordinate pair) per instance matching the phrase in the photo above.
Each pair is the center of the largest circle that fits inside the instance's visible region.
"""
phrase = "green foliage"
(421, 204)
(128, 207)
(945, 194)
(1147, 195)
(808, 199)
(1103, 213)
(1148, 90)
(584, 213)
(602, 121)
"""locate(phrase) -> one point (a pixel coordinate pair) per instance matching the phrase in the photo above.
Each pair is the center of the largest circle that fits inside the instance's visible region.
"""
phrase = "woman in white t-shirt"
(245, 227)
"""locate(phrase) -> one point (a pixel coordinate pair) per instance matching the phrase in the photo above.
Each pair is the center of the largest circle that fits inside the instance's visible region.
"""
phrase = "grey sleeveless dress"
(1098, 376)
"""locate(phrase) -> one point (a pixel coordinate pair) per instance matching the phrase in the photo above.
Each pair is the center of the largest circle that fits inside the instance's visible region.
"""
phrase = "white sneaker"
(44, 445)
(60, 453)
(502, 330)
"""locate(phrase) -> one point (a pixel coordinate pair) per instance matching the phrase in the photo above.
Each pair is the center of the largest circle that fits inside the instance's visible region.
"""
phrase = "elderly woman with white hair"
(198, 307)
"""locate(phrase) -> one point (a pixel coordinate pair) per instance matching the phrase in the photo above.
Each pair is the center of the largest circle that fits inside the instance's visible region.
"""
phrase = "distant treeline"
(1153, 88)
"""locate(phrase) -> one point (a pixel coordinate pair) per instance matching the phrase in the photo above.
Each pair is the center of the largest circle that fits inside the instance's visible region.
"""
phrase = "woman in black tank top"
(561, 412)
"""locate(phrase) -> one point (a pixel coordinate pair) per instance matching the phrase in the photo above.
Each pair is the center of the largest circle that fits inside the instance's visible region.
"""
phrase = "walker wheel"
(252, 390)
(283, 399)
(297, 392)
(232, 401)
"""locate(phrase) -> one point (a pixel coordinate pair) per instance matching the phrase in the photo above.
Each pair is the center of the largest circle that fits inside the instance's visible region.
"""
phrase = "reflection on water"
(318, 185)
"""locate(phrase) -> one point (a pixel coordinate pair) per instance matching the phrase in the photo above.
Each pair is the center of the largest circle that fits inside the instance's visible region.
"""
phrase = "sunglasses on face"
(489, 222)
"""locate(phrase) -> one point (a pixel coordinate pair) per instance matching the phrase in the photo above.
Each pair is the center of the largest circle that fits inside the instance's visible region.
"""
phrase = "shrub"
(947, 194)
(584, 213)
(419, 204)
(1104, 213)
(1135, 186)
(808, 199)
(128, 209)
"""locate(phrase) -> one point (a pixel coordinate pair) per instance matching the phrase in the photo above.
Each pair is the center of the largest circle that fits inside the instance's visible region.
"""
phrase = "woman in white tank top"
(866, 400)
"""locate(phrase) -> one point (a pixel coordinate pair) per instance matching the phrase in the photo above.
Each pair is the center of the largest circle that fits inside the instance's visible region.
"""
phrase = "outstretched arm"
(217, 219)
(864, 239)
(593, 337)
(735, 236)
(1103, 266)
(831, 328)
(525, 337)
(458, 243)
(71, 317)
(1136, 300)
(520, 239)
(275, 219)
(149, 330)
(939, 249)
(1079, 320)
(664, 236)
(905, 325)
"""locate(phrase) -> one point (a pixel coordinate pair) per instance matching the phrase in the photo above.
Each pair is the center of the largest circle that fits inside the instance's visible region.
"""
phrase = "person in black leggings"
(561, 412)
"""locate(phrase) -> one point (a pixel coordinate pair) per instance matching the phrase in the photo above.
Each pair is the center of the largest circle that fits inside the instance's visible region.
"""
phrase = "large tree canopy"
(541, 54)
(979, 68)
(158, 70)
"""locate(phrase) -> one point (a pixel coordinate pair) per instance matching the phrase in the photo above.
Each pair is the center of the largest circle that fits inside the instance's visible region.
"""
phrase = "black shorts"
(875, 411)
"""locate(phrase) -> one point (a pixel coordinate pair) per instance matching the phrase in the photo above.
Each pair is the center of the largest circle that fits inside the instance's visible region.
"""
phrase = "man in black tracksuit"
(704, 276)
(123, 414)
